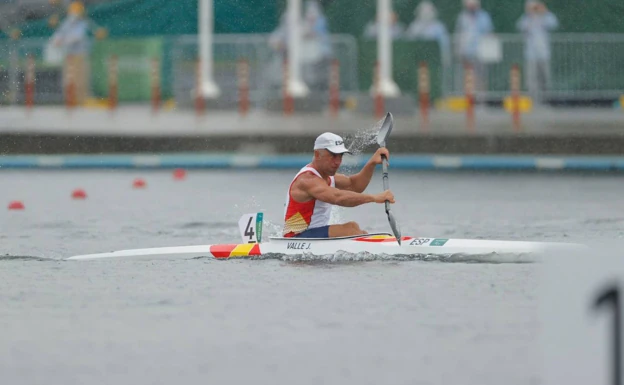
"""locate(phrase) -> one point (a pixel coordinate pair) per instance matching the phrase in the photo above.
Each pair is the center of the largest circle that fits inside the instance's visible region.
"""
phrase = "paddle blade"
(395, 227)
(384, 131)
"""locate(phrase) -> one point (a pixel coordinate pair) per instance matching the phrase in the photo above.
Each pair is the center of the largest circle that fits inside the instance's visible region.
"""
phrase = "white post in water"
(387, 86)
(296, 87)
(208, 88)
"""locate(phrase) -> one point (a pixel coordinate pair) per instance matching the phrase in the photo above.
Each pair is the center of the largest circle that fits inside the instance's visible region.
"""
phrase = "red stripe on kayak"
(221, 251)
(225, 251)
(255, 250)
(388, 239)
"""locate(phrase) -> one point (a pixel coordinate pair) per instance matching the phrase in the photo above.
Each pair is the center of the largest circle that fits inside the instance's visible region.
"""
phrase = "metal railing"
(265, 66)
(13, 63)
(227, 51)
(180, 56)
(582, 66)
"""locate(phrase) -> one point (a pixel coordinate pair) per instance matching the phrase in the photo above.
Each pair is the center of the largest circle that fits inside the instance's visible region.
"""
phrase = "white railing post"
(387, 86)
(296, 87)
(209, 88)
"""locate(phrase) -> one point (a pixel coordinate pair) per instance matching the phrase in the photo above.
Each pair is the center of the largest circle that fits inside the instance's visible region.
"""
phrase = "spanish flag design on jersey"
(300, 216)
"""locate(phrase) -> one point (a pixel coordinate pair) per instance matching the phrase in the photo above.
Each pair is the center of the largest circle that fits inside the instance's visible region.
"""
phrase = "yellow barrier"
(98, 104)
(460, 103)
(526, 104)
(351, 103)
(452, 103)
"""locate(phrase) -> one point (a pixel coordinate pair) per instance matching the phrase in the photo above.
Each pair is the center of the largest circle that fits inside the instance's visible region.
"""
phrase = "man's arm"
(550, 20)
(522, 24)
(317, 188)
(357, 182)
(360, 181)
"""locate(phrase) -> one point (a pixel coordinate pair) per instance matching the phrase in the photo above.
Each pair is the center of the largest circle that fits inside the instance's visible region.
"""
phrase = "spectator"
(315, 52)
(426, 26)
(471, 25)
(278, 41)
(396, 28)
(72, 37)
(315, 28)
(316, 46)
(535, 26)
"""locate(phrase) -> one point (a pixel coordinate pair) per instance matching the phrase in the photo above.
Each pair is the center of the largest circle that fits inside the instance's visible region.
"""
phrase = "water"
(275, 321)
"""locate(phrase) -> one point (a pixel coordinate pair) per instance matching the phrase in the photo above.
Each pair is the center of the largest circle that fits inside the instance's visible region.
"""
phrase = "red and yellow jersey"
(300, 216)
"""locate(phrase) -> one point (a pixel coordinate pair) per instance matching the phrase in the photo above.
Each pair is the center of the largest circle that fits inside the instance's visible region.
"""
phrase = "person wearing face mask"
(472, 24)
(315, 27)
(427, 26)
(535, 25)
(316, 49)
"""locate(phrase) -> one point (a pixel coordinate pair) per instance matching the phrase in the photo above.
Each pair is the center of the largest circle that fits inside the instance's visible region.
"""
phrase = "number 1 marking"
(611, 297)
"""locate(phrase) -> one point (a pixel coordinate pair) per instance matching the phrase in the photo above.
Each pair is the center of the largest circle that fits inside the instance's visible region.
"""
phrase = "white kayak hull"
(377, 244)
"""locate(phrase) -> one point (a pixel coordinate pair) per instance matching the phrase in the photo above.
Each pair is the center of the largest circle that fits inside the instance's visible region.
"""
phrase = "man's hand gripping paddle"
(383, 134)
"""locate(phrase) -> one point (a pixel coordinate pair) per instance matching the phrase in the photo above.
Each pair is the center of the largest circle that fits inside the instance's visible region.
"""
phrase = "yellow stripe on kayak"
(242, 250)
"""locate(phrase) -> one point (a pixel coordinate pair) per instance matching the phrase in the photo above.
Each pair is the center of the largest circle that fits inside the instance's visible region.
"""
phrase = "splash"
(272, 229)
(8, 258)
(361, 140)
(364, 138)
(358, 142)
(342, 256)
(249, 205)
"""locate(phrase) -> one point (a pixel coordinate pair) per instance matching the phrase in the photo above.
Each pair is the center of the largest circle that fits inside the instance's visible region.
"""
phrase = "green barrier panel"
(406, 56)
(134, 67)
(136, 18)
(588, 67)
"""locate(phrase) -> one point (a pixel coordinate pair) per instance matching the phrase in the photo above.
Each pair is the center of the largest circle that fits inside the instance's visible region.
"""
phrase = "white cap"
(331, 142)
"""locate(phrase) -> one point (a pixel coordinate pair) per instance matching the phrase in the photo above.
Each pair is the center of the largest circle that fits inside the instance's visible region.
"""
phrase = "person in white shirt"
(396, 28)
(427, 26)
(472, 24)
(535, 25)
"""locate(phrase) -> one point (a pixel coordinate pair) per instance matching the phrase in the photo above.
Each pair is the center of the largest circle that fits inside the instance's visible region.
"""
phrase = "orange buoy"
(16, 205)
(79, 194)
(179, 174)
(139, 183)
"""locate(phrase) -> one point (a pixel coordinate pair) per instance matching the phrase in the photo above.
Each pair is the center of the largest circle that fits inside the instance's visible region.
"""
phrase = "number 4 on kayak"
(250, 226)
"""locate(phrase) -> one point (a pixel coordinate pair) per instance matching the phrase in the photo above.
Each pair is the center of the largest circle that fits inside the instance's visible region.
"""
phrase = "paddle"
(383, 134)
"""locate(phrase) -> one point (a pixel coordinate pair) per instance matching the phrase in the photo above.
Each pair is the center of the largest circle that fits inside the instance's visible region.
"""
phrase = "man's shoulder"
(304, 176)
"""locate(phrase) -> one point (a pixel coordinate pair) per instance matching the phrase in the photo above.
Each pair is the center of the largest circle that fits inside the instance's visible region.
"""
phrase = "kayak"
(378, 244)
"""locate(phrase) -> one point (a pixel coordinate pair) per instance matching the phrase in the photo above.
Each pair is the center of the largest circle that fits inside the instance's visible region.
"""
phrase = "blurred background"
(446, 66)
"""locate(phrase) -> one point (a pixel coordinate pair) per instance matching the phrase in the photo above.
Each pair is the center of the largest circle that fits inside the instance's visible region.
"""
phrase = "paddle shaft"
(385, 179)
(384, 132)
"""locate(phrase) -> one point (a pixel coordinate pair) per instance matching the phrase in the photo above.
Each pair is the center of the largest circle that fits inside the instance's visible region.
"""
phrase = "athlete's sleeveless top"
(299, 216)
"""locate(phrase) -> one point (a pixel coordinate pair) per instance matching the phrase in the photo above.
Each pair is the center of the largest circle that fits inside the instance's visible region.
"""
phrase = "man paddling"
(317, 187)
